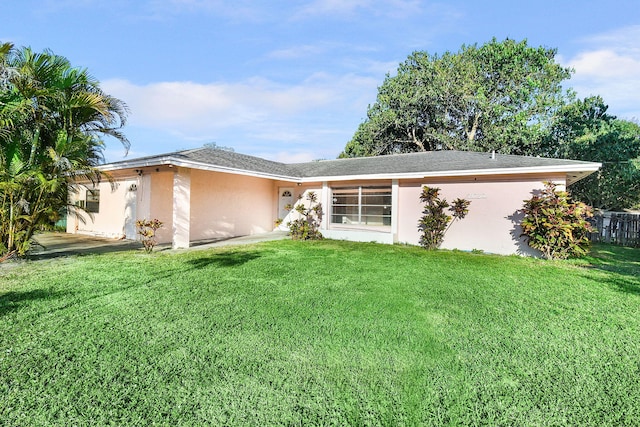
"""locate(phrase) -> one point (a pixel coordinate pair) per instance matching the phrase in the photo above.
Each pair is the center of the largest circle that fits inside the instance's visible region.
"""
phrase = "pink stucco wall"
(222, 205)
(116, 212)
(226, 205)
(492, 222)
(160, 203)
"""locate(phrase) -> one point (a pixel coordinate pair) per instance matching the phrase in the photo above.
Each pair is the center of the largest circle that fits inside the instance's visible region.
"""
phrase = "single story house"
(207, 193)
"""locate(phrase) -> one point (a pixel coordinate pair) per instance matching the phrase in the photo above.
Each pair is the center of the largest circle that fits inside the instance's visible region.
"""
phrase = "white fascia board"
(584, 167)
(172, 161)
(136, 163)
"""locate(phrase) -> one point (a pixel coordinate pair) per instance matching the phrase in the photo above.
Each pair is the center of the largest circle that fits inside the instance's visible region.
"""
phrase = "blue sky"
(291, 80)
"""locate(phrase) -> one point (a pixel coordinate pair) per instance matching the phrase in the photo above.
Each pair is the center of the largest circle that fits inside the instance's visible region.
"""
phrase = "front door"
(285, 198)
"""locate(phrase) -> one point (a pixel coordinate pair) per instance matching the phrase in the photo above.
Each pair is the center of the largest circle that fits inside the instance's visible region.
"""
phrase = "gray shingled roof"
(425, 162)
(210, 157)
(233, 160)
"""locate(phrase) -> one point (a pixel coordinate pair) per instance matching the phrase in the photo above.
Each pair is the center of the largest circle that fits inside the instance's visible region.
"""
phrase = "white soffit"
(574, 172)
(579, 171)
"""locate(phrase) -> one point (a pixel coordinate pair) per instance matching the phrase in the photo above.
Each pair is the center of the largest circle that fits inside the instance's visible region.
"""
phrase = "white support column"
(326, 206)
(395, 193)
(142, 201)
(181, 208)
(143, 197)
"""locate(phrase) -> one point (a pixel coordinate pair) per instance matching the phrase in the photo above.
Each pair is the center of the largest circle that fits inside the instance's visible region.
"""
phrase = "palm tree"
(52, 121)
(5, 73)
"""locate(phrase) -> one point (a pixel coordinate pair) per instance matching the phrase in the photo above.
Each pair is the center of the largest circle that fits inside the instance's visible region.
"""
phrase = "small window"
(286, 193)
(93, 201)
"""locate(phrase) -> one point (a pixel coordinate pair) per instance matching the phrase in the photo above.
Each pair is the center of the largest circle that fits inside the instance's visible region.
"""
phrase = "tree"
(583, 130)
(5, 73)
(498, 96)
(52, 120)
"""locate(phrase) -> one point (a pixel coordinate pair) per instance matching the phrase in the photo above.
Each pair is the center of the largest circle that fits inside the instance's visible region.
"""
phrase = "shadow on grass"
(225, 259)
(102, 249)
(627, 285)
(621, 260)
(618, 259)
(11, 301)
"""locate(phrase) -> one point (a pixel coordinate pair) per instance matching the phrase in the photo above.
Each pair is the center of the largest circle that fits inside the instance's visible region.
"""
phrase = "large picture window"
(92, 203)
(361, 206)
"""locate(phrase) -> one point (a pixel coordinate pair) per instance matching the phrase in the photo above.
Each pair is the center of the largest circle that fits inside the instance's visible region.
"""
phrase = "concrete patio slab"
(51, 245)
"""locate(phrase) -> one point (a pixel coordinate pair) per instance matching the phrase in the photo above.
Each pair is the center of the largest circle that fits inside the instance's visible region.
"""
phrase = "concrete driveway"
(52, 245)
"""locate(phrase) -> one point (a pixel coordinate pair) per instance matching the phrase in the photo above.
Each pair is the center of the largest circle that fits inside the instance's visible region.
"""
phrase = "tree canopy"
(52, 120)
(505, 96)
(583, 130)
(498, 96)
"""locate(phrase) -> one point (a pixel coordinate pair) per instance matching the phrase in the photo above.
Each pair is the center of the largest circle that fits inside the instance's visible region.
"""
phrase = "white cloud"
(624, 39)
(252, 115)
(196, 105)
(605, 64)
(609, 66)
(245, 10)
(322, 7)
(388, 8)
(295, 52)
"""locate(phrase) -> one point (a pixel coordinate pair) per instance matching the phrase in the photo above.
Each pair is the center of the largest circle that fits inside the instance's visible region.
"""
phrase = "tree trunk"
(471, 135)
(11, 225)
(416, 141)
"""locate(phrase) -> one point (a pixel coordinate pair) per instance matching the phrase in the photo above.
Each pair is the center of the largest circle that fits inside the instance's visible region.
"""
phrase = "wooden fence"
(617, 227)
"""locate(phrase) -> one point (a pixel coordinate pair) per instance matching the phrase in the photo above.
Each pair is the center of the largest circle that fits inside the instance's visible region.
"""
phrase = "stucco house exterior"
(206, 193)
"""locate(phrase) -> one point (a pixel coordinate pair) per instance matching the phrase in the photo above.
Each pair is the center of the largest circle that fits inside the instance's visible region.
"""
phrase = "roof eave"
(581, 170)
(583, 167)
(173, 161)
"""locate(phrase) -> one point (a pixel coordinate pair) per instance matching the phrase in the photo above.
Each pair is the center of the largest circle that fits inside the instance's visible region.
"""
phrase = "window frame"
(363, 218)
(92, 200)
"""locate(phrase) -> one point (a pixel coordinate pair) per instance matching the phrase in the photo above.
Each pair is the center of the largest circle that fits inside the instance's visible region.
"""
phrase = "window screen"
(93, 201)
(369, 206)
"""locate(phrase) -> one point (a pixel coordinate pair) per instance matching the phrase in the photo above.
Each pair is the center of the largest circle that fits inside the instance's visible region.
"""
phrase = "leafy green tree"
(5, 73)
(498, 96)
(52, 121)
(583, 130)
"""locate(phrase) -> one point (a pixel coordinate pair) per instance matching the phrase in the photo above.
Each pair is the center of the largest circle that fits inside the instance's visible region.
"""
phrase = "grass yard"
(321, 333)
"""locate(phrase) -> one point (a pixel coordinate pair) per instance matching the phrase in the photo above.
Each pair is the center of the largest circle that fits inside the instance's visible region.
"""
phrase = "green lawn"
(321, 333)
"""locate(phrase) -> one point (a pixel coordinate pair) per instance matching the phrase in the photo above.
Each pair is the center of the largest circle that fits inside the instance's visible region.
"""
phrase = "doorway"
(285, 198)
